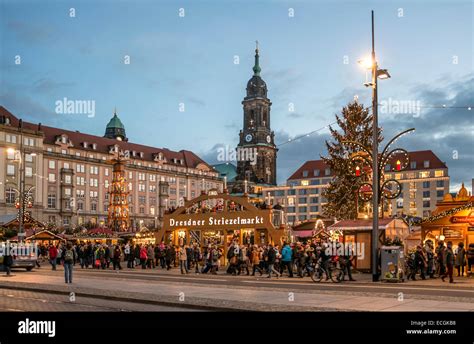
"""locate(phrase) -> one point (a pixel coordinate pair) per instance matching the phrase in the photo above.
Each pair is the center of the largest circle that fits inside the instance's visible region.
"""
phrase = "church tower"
(256, 151)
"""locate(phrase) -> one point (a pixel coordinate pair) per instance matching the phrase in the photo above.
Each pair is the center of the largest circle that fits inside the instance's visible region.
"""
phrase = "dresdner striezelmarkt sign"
(211, 221)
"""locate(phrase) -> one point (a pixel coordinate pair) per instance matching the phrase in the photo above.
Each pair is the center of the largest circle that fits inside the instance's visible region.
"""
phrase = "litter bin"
(393, 264)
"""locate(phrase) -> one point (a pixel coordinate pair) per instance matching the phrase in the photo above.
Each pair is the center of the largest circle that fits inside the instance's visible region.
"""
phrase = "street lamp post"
(382, 74)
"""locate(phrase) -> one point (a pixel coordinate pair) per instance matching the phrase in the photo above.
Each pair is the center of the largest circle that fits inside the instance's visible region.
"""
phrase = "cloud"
(294, 115)
(30, 33)
(195, 101)
(46, 85)
(448, 132)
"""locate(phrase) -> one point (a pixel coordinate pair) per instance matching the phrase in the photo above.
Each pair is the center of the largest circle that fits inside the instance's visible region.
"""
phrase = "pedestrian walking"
(68, 257)
(449, 262)
(460, 261)
(287, 259)
(116, 257)
(53, 255)
(271, 258)
(183, 260)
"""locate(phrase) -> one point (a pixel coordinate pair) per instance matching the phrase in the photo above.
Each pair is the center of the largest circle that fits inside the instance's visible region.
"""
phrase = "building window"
(290, 209)
(304, 182)
(80, 168)
(302, 200)
(80, 206)
(93, 206)
(142, 210)
(302, 217)
(10, 170)
(51, 201)
(314, 208)
(305, 174)
(426, 204)
(28, 171)
(94, 170)
(130, 175)
(426, 213)
(28, 158)
(106, 171)
(440, 193)
(141, 199)
(67, 192)
(426, 164)
(302, 192)
(413, 165)
(426, 194)
(440, 183)
(426, 184)
(302, 209)
(291, 192)
(152, 211)
(141, 187)
(316, 182)
(11, 138)
(327, 172)
(291, 219)
(439, 173)
(314, 200)
(10, 196)
(52, 164)
(425, 174)
(67, 179)
(291, 200)
(10, 155)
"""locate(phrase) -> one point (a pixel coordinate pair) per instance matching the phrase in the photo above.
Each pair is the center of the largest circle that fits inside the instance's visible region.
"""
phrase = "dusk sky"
(309, 60)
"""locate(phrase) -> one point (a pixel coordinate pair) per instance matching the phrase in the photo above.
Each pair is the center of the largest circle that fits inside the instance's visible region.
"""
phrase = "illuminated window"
(425, 174)
(305, 182)
(439, 173)
(398, 176)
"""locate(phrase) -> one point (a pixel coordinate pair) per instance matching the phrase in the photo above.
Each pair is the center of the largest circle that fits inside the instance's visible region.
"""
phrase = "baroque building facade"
(71, 174)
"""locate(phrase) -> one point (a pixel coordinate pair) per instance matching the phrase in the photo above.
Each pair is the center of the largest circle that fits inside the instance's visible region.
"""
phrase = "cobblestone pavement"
(249, 293)
(31, 301)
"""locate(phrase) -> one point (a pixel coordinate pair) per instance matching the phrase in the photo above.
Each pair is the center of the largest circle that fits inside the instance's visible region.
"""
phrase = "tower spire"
(256, 68)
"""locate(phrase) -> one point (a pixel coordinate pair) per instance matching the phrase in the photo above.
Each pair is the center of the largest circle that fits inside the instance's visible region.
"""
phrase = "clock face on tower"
(269, 139)
(248, 137)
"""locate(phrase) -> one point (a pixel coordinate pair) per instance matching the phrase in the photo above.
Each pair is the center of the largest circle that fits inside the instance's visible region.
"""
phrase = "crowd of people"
(295, 259)
(270, 260)
(428, 261)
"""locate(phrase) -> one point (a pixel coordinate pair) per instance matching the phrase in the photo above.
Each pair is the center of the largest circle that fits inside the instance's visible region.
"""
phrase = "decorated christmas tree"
(355, 124)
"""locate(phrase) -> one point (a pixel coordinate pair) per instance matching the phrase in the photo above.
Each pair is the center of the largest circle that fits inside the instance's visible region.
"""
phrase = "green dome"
(115, 129)
(115, 122)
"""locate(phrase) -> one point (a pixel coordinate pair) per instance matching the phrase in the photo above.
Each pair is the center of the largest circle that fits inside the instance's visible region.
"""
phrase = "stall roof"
(45, 235)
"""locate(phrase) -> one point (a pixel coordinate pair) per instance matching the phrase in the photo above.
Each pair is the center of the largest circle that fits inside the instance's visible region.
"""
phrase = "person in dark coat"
(420, 263)
(449, 262)
(116, 257)
(271, 258)
(8, 262)
(169, 254)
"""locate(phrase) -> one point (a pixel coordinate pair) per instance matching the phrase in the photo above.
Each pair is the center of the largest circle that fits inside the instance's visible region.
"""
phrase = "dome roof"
(115, 129)
(256, 87)
(115, 122)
